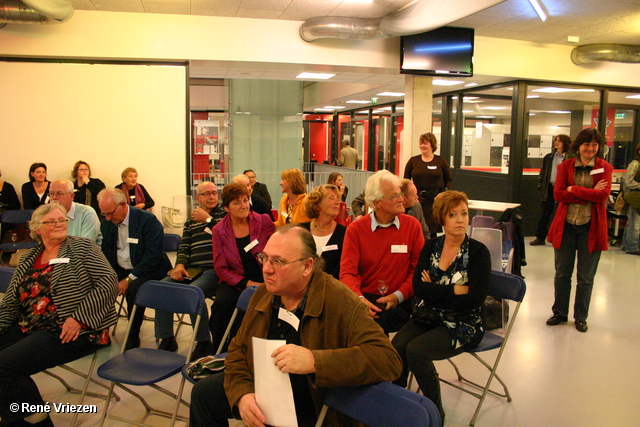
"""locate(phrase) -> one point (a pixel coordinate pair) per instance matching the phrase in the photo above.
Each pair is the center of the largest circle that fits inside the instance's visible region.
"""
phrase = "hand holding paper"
(294, 359)
(249, 411)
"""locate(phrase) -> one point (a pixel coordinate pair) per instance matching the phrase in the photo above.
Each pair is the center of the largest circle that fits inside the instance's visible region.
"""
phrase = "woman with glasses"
(323, 205)
(138, 195)
(58, 308)
(237, 239)
(36, 191)
(431, 175)
(86, 188)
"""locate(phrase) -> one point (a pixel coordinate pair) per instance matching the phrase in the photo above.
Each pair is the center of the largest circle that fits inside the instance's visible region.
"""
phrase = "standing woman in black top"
(36, 191)
(87, 188)
(431, 175)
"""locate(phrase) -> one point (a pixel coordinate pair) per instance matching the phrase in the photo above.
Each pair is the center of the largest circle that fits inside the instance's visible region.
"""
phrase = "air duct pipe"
(626, 53)
(35, 11)
(416, 18)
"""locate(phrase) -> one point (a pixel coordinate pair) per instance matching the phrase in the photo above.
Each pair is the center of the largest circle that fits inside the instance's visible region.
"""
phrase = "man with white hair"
(256, 203)
(382, 250)
(83, 220)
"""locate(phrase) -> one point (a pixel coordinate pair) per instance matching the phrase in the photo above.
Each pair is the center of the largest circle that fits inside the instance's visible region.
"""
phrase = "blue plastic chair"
(146, 366)
(171, 242)
(508, 287)
(15, 217)
(382, 405)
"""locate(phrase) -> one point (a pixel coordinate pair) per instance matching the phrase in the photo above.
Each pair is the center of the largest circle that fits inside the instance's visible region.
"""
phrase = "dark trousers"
(221, 312)
(548, 208)
(130, 297)
(394, 319)
(418, 347)
(22, 355)
(574, 240)
(209, 404)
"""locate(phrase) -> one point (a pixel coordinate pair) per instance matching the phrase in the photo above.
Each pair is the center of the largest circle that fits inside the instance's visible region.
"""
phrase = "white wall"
(111, 116)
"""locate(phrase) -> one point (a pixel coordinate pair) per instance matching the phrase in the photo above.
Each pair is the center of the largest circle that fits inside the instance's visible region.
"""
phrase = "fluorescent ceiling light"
(485, 117)
(493, 108)
(333, 107)
(533, 96)
(326, 110)
(538, 9)
(559, 112)
(633, 97)
(443, 82)
(314, 76)
(467, 98)
(471, 84)
(468, 111)
(355, 101)
(390, 94)
(560, 90)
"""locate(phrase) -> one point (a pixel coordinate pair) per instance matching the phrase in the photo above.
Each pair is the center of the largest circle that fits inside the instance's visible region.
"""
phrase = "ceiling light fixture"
(538, 9)
(633, 97)
(471, 84)
(390, 94)
(560, 90)
(443, 82)
(314, 76)
(355, 101)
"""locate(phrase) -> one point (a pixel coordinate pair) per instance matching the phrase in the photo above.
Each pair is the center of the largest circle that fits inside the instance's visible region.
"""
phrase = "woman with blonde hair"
(87, 188)
(323, 205)
(292, 203)
(138, 195)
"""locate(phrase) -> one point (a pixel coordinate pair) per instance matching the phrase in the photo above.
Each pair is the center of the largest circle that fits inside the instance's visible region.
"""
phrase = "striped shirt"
(195, 248)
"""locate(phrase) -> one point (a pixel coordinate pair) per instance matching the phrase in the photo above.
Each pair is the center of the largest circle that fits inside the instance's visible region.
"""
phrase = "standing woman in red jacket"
(582, 188)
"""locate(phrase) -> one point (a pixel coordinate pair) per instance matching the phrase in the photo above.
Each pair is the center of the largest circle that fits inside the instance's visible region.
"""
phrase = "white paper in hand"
(274, 395)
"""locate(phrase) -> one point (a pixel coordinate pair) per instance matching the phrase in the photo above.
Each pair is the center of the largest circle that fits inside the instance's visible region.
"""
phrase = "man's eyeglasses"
(275, 263)
(393, 197)
(106, 214)
(208, 193)
(54, 222)
(58, 194)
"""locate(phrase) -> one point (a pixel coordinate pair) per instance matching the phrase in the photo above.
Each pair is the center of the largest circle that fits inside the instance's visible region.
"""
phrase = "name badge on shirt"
(59, 261)
(399, 249)
(456, 277)
(251, 245)
(432, 167)
(284, 214)
(289, 317)
(330, 248)
(208, 230)
(132, 240)
(597, 171)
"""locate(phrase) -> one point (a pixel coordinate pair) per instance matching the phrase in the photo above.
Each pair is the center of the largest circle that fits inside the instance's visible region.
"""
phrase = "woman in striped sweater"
(58, 308)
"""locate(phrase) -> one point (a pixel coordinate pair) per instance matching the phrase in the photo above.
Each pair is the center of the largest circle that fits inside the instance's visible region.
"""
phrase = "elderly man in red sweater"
(380, 253)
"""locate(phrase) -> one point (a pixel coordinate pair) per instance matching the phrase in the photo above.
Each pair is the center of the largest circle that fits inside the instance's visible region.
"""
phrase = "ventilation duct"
(35, 11)
(627, 53)
(424, 15)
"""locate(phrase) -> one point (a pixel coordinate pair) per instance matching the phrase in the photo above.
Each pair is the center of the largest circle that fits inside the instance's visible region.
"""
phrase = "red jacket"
(598, 231)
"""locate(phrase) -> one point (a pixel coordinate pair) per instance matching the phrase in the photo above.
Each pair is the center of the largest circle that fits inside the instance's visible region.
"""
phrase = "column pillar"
(418, 98)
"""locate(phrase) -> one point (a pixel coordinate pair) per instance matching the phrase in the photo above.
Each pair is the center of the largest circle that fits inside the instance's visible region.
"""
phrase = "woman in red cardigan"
(582, 188)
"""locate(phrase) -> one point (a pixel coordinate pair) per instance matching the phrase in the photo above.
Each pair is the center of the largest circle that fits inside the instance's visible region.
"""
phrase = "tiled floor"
(557, 375)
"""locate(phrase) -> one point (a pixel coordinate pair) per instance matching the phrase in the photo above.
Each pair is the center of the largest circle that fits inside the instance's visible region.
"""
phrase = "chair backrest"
(16, 216)
(6, 273)
(383, 405)
(171, 242)
(482, 221)
(245, 297)
(492, 239)
(171, 297)
(507, 286)
(274, 214)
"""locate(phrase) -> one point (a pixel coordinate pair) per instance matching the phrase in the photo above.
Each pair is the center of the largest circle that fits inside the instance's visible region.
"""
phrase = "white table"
(483, 205)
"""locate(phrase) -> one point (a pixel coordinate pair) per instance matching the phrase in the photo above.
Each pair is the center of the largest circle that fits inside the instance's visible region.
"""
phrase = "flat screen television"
(446, 51)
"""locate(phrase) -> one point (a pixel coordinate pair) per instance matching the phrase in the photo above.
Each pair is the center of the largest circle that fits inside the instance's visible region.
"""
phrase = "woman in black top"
(431, 175)
(36, 191)
(323, 205)
(86, 188)
(451, 281)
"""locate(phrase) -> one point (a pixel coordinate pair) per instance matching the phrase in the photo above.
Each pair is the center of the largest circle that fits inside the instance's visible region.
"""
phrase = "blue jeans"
(574, 239)
(208, 282)
(631, 235)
